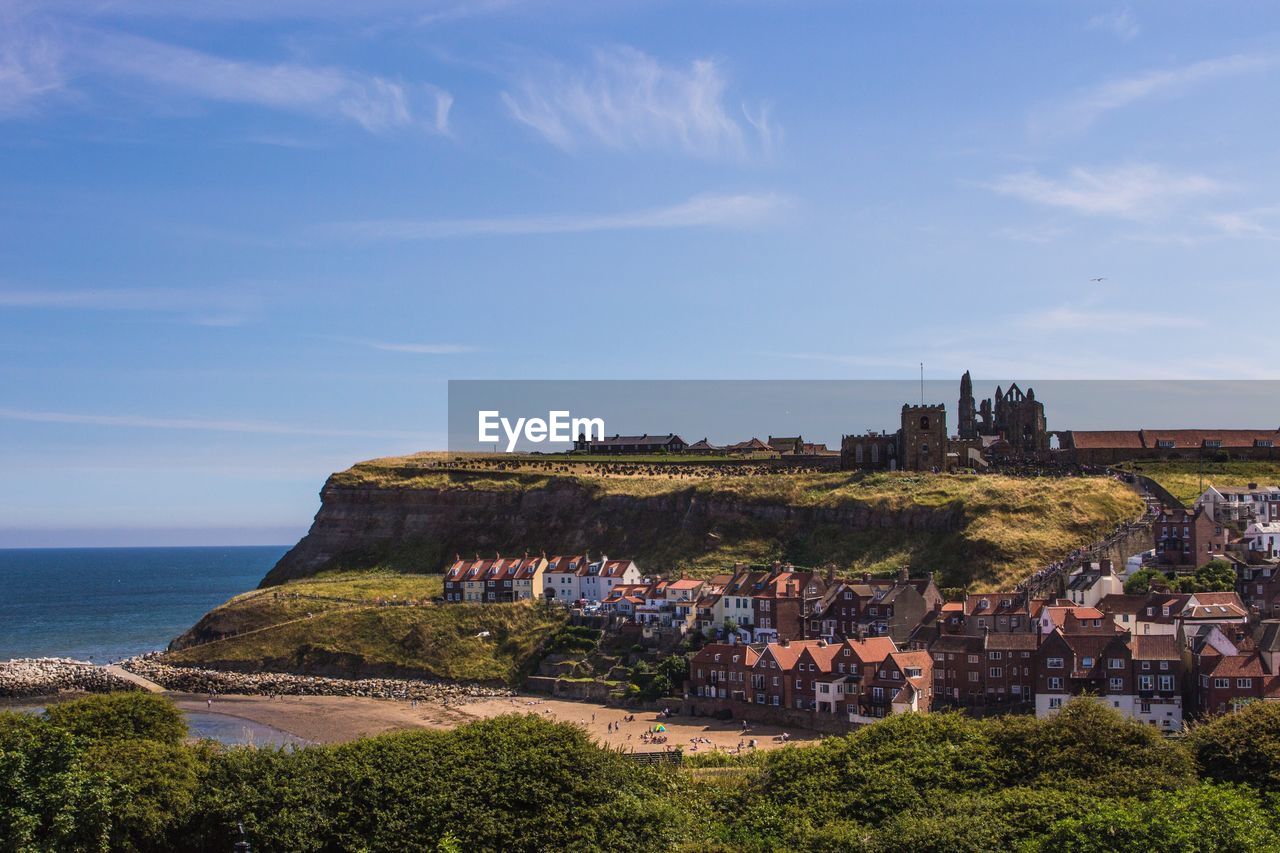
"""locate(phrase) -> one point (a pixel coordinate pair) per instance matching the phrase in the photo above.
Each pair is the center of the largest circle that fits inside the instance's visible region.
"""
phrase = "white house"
(1089, 584)
(1263, 536)
(560, 578)
(1230, 504)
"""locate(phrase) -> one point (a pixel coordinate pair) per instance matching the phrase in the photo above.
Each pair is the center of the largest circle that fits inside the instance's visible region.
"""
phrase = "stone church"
(1010, 426)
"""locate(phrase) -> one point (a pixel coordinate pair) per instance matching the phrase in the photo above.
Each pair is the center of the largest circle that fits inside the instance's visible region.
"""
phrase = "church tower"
(968, 415)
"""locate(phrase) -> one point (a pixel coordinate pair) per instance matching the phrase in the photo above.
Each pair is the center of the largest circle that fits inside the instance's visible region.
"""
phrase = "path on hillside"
(145, 683)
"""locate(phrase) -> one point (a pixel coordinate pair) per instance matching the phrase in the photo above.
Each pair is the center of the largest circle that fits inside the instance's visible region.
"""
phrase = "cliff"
(968, 528)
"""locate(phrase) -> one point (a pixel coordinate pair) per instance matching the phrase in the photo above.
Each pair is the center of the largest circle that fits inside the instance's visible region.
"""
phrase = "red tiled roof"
(1128, 439)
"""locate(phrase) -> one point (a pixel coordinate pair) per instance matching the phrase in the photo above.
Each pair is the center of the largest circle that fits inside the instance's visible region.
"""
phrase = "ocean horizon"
(103, 604)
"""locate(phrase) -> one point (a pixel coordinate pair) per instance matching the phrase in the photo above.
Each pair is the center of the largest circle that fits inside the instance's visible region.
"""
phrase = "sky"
(245, 244)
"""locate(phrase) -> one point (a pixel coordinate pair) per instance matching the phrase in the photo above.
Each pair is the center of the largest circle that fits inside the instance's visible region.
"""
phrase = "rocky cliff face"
(420, 529)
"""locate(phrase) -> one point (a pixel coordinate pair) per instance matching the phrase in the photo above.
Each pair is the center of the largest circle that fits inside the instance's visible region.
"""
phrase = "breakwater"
(29, 677)
(209, 681)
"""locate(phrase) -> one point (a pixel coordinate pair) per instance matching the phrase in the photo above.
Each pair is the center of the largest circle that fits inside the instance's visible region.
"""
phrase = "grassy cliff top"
(1184, 479)
(360, 616)
(1010, 525)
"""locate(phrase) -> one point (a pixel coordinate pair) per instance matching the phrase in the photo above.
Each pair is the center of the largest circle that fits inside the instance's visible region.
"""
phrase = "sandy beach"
(334, 719)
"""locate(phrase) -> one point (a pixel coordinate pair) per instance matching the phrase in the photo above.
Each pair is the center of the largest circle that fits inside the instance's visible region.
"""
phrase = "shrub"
(126, 716)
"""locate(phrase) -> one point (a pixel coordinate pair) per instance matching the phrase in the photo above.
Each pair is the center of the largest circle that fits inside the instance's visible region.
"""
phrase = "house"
(1214, 608)
(752, 445)
(736, 605)
(836, 615)
(619, 444)
(1241, 505)
(1088, 585)
(903, 682)
(499, 580)
(722, 671)
(454, 585)
(560, 578)
(1064, 614)
(601, 576)
(1072, 664)
(704, 446)
(1234, 668)
(1263, 537)
(998, 612)
(1258, 585)
(783, 601)
(992, 671)
(1154, 613)
(840, 691)
(1184, 538)
(528, 578)
(894, 607)
(1157, 682)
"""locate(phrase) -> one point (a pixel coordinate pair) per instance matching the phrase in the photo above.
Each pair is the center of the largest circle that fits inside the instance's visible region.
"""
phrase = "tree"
(1241, 747)
(48, 800)
(1139, 583)
(120, 716)
(1216, 576)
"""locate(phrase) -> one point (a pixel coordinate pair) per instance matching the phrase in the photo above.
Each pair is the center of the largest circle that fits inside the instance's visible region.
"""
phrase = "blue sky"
(244, 244)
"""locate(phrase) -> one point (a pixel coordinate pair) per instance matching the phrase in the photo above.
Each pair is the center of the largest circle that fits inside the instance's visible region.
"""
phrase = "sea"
(104, 604)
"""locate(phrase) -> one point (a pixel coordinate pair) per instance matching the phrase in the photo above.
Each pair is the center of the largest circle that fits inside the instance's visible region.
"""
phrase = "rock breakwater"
(194, 680)
(25, 677)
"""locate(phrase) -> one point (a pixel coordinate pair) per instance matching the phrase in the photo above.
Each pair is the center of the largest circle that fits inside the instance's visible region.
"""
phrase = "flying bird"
(1100, 278)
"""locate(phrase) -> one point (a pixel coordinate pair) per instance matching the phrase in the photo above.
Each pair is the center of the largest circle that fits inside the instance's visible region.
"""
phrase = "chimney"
(866, 577)
(1253, 487)
(792, 589)
(903, 575)
(786, 644)
(775, 569)
(831, 572)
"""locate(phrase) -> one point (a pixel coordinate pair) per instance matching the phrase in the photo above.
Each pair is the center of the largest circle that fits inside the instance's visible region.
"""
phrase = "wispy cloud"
(1082, 110)
(701, 211)
(30, 63)
(192, 424)
(375, 103)
(1121, 23)
(629, 100)
(1259, 222)
(1134, 191)
(206, 307)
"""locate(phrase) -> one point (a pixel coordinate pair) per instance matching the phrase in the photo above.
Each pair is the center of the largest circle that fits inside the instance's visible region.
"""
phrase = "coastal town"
(808, 647)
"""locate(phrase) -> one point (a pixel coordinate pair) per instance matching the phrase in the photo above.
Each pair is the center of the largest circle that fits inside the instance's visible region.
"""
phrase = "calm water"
(224, 728)
(108, 603)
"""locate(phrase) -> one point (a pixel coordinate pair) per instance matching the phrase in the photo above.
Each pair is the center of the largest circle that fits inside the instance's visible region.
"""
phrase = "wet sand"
(334, 719)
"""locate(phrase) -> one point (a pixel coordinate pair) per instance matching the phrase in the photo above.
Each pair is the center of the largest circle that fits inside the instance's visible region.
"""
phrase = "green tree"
(1241, 747)
(1216, 576)
(153, 787)
(116, 716)
(1139, 583)
(48, 800)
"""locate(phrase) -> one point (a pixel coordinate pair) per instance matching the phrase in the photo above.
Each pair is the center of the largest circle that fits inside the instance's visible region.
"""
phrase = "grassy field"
(1010, 525)
(1184, 479)
(345, 621)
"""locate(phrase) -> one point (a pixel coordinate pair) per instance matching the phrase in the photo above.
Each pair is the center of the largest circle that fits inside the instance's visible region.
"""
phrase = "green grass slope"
(1184, 480)
(345, 624)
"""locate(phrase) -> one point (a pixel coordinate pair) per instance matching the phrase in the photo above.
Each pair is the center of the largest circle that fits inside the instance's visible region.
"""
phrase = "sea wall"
(24, 677)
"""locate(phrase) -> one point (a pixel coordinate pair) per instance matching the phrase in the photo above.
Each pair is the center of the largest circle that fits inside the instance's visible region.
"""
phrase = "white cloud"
(1134, 191)
(1121, 23)
(701, 211)
(30, 63)
(375, 103)
(210, 307)
(1079, 112)
(629, 100)
(193, 424)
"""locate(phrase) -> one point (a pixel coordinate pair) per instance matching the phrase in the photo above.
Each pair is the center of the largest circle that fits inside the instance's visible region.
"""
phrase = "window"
(973, 675)
(1222, 683)
(996, 672)
(1086, 663)
(973, 658)
(1244, 683)
(1115, 663)
(1054, 663)
(1117, 684)
(1055, 704)
(1145, 682)
(993, 655)
(1055, 683)
(1166, 682)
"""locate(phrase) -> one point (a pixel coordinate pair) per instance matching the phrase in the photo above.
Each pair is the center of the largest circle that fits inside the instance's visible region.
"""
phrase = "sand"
(335, 719)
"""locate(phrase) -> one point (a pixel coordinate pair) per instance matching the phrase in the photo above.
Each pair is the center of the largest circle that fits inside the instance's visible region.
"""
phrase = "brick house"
(1184, 538)
(997, 612)
(782, 604)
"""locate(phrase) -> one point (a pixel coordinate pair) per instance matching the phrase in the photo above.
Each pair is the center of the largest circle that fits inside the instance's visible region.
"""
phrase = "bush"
(1241, 747)
(120, 716)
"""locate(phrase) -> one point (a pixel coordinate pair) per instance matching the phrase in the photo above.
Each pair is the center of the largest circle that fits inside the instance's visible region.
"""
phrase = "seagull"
(1100, 278)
